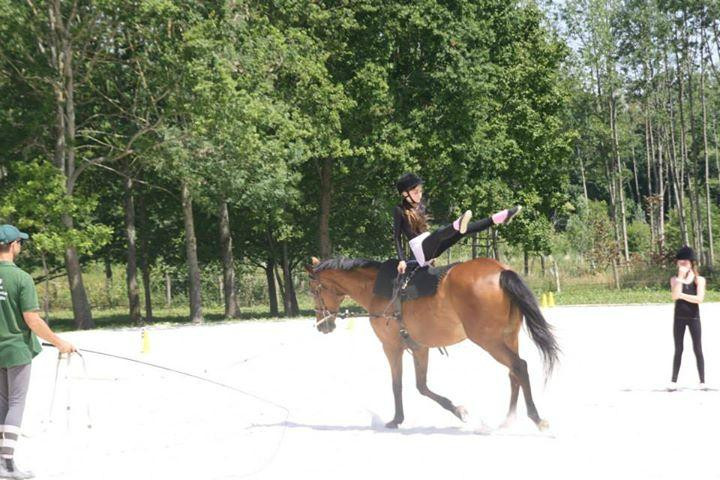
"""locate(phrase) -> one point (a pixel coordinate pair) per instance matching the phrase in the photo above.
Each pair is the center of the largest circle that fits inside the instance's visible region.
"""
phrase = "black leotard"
(685, 309)
(401, 226)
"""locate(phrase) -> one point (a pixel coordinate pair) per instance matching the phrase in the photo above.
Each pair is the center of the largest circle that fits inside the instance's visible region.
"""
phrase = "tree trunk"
(78, 294)
(495, 246)
(46, 296)
(620, 182)
(616, 273)
(649, 155)
(62, 56)
(556, 274)
(226, 248)
(526, 262)
(693, 159)
(582, 175)
(133, 290)
(281, 286)
(717, 147)
(195, 296)
(708, 205)
(145, 257)
(661, 198)
(684, 152)
(635, 177)
(168, 290)
(325, 205)
(108, 281)
(272, 291)
(291, 305)
(676, 175)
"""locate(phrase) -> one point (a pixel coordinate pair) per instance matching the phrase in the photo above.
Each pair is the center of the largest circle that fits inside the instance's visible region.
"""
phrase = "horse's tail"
(540, 331)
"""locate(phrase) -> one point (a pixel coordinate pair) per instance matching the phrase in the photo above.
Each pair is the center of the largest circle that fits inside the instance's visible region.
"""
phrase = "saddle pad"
(424, 282)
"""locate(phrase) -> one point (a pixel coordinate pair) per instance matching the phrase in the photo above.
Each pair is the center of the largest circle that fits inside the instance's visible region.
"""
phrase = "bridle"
(323, 310)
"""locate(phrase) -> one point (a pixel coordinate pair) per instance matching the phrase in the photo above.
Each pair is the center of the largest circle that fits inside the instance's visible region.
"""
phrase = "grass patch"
(594, 295)
(62, 320)
(583, 294)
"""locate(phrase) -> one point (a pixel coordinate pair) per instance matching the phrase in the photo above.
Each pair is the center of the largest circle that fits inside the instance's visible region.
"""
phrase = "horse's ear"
(315, 261)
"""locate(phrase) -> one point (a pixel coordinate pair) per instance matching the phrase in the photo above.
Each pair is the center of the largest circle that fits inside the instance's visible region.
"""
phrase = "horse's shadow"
(668, 390)
(454, 431)
(369, 428)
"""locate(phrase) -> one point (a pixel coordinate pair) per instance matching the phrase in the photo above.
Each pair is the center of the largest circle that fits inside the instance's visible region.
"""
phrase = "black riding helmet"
(408, 182)
(686, 253)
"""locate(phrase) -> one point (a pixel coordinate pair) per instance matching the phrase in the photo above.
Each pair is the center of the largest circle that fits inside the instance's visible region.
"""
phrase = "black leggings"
(679, 335)
(445, 237)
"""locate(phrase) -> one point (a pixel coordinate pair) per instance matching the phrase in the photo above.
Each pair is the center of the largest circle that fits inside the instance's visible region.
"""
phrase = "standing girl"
(688, 291)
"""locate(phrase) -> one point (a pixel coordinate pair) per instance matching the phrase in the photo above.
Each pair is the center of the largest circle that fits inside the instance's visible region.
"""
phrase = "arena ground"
(317, 405)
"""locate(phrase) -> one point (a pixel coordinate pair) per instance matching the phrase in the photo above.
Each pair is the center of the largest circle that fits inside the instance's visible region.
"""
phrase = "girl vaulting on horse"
(481, 300)
(688, 291)
(411, 220)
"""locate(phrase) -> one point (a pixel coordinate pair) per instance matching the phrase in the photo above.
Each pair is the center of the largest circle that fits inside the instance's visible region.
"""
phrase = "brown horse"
(481, 299)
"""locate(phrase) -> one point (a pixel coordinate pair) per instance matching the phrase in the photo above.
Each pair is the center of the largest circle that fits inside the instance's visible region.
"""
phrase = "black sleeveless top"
(685, 309)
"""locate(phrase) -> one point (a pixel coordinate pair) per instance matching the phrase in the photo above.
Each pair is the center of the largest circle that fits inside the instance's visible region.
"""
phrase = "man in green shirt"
(20, 325)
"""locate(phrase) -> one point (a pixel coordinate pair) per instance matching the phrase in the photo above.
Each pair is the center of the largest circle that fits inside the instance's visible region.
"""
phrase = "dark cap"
(685, 253)
(408, 182)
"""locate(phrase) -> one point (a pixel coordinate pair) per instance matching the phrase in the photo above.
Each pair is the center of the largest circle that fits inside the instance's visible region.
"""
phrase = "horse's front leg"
(394, 355)
(421, 359)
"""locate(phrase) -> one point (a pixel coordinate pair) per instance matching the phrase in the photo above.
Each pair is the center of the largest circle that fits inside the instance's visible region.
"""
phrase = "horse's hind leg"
(518, 369)
(514, 394)
(421, 358)
(514, 387)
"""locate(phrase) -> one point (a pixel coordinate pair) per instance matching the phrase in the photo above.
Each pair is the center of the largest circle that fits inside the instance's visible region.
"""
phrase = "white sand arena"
(609, 414)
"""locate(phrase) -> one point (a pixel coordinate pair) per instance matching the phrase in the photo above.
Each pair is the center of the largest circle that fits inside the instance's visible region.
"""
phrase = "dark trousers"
(693, 324)
(445, 237)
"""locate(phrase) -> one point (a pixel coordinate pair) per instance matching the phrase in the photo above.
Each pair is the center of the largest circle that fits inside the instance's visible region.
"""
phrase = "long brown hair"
(693, 265)
(416, 215)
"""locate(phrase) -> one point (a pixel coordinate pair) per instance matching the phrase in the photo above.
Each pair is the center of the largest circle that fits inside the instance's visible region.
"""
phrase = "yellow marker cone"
(551, 299)
(351, 324)
(544, 300)
(145, 341)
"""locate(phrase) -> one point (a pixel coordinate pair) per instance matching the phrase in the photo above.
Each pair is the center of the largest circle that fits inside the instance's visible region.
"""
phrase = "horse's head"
(326, 296)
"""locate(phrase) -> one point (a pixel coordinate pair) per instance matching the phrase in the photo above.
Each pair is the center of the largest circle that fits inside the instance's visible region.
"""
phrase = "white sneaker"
(8, 469)
(672, 387)
(464, 220)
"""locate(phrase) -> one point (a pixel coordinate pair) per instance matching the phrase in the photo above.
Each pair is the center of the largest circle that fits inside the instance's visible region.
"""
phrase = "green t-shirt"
(18, 344)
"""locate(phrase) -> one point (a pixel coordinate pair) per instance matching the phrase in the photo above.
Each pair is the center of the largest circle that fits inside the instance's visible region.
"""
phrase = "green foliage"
(639, 241)
(590, 233)
(39, 204)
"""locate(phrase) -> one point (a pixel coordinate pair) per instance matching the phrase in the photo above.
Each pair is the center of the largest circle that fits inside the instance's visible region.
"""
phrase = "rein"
(410, 343)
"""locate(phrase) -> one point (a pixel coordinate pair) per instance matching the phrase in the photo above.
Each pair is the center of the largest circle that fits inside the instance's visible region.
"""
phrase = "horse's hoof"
(509, 422)
(543, 425)
(483, 429)
(394, 424)
(461, 413)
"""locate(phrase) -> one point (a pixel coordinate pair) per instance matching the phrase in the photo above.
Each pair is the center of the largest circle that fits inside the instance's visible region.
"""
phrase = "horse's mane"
(345, 264)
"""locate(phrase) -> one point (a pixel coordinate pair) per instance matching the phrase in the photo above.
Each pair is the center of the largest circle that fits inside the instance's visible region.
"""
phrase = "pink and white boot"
(461, 223)
(505, 216)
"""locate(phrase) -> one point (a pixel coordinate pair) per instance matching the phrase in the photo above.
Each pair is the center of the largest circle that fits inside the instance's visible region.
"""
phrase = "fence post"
(556, 273)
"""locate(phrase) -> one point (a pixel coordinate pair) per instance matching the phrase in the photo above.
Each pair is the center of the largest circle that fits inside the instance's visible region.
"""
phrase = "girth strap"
(401, 284)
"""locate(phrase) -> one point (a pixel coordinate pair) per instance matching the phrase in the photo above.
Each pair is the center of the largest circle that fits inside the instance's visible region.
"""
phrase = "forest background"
(181, 161)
